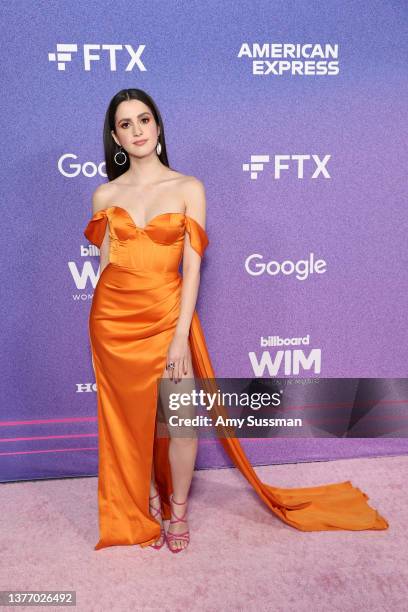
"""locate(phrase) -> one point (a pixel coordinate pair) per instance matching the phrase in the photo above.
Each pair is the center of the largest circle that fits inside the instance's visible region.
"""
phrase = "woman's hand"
(178, 354)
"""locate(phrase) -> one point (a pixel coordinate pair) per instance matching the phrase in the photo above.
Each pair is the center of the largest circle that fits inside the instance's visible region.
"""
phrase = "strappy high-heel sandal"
(185, 536)
(157, 512)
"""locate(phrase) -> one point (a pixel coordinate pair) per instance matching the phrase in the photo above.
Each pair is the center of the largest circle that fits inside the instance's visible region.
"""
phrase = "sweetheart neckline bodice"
(95, 231)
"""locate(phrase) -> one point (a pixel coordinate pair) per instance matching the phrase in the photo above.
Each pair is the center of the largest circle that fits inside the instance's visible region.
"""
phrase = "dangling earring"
(158, 148)
(120, 153)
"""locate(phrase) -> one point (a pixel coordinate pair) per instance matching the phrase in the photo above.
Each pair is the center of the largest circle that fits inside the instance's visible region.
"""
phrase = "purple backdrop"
(220, 107)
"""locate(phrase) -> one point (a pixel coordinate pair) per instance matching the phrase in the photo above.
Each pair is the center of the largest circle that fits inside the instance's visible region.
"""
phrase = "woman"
(147, 220)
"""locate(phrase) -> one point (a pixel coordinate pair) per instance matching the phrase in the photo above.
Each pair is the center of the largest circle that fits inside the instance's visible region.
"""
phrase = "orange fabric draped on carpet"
(133, 316)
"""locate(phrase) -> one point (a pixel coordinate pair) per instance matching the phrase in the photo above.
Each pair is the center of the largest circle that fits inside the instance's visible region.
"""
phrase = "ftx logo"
(97, 53)
(286, 162)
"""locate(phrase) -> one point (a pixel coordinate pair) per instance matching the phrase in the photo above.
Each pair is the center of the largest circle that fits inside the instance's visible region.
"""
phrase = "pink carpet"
(241, 557)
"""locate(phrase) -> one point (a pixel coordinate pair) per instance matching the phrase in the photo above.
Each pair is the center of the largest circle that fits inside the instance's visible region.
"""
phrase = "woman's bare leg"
(182, 448)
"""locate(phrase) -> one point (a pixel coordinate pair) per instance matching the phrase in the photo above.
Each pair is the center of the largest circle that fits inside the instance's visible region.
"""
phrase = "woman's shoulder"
(194, 188)
(101, 197)
(190, 189)
(189, 179)
(194, 196)
(191, 186)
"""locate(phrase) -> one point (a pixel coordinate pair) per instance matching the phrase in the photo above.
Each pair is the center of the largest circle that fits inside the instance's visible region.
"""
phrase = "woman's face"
(135, 122)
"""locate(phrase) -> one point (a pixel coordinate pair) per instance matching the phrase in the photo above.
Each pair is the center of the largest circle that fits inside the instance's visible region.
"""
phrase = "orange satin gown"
(133, 316)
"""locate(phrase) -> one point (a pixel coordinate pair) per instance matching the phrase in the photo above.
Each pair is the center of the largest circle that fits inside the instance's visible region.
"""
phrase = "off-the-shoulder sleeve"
(95, 230)
(198, 236)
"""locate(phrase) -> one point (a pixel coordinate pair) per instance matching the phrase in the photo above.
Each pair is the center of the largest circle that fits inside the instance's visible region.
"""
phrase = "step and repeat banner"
(292, 115)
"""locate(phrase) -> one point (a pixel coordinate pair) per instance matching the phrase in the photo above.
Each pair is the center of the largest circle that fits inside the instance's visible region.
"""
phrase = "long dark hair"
(113, 170)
